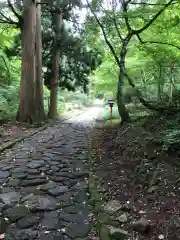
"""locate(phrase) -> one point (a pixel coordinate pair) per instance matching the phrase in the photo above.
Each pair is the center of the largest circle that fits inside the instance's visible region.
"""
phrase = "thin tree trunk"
(56, 61)
(171, 85)
(27, 105)
(121, 106)
(143, 77)
(120, 102)
(39, 82)
(160, 82)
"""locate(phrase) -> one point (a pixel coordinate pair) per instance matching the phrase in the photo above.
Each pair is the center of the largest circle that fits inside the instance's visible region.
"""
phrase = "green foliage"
(171, 139)
(9, 75)
(75, 100)
(152, 59)
(135, 110)
(78, 60)
(8, 101)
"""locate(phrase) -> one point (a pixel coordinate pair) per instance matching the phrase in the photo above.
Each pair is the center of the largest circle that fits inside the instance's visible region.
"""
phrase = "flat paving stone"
(41, 203)
(48, 185)
(53, 163)
(44, 189)
(5, 168)
(20, 175)
(75, 230)
(73, 218)
(52, 236)
(58, 179)
(35, 164)
(54, 168)
(50, 220)
(3, 180)
(13, 182)
(27, 197)
(32, 182)
(23, 234)
(10, 198)
(33, 171)
(6, 189)
(57, 190)
(37, 176)
(16, 212)
(80, 197)
(76, 208)
(18, 170)
(4, 174)
(28, 221)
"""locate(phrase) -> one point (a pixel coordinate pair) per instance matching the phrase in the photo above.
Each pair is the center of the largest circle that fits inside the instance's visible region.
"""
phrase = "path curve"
(43, 183)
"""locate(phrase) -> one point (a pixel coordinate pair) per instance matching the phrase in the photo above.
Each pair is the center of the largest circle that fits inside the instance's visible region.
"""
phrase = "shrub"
(8, 102)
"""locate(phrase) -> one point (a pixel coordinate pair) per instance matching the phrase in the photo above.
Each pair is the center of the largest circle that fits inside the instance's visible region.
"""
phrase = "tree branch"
(146, 103)
(115, 24)
(156, 42)
(7, 22)
(153, 19)
(104, 34)
(13, 10)
(149, 4)
(125, 11)
(6, 19)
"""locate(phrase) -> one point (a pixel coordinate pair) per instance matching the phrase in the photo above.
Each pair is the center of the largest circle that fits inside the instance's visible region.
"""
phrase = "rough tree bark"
(39, 82)
(55, 69)
(31, 107)
(27, 105)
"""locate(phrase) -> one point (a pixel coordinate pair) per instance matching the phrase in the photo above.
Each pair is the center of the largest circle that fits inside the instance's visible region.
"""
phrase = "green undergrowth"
(135, 111)
(169, 137)
(169, 134)
(67, 101)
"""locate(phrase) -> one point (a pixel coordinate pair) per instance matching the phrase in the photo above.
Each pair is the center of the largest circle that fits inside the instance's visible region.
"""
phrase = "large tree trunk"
(39, 82)
(55, 76)
(27, 105)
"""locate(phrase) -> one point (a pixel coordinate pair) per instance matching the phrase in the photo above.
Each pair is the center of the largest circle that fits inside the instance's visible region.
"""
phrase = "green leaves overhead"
(152, 54)
(77, 59)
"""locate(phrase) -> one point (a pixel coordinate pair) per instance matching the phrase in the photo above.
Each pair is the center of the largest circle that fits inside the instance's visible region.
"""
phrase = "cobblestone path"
(43, 184)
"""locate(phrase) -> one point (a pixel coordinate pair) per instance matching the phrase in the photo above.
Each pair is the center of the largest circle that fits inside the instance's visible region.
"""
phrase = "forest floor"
(44, 181)
(138, 194)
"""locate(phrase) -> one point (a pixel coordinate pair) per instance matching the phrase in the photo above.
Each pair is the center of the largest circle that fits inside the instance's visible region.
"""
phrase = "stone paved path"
(43, 184)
